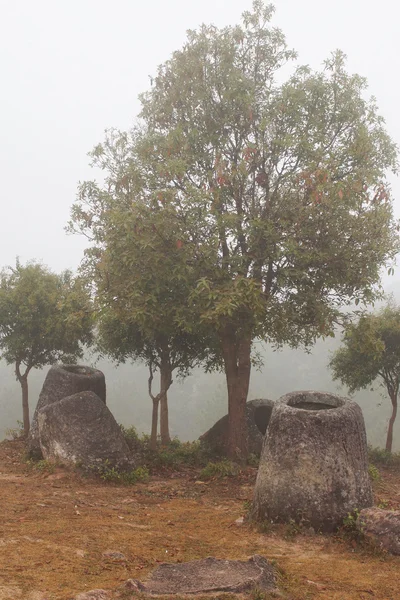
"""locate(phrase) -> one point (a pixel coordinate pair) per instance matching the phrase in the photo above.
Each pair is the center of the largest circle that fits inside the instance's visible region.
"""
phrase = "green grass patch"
(223, 468)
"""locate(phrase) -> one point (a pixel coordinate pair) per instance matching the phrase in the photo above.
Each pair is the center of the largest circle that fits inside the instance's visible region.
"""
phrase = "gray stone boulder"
(314, 463)
(209, 576)
(382, 527)
(80, 429)
(94, 595)
(258, 414)
(62, 381)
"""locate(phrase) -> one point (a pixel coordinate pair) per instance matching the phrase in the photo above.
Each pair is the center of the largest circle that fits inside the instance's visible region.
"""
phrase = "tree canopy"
(277, 191)
(44, 318)
(142, 285)
(371, 352)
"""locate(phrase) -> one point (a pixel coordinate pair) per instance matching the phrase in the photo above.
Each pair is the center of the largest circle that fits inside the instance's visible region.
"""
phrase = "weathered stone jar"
(258, 414)
(314, 462)
(62, 381)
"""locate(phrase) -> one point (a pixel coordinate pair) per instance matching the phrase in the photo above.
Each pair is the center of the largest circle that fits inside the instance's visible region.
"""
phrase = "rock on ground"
(382, 527)
(314, 463)
(211, 575)
(80, 429)
(62, 381)
(258, 414)
(94, 595)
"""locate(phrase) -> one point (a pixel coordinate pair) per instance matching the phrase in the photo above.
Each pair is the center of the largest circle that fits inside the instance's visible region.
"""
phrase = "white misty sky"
(69, 70)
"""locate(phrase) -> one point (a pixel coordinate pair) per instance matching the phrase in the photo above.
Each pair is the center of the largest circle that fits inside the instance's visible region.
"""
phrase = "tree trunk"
(236, 354)
(166, 380)
(389, 439)
(154, 424)
(25, 404)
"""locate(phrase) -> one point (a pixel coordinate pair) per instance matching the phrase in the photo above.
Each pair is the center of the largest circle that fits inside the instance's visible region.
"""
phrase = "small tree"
(176, 352)
(142, 286)
(44, 318)
(371, 352)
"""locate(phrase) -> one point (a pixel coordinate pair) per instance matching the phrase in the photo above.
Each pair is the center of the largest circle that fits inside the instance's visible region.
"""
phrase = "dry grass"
(54, 528)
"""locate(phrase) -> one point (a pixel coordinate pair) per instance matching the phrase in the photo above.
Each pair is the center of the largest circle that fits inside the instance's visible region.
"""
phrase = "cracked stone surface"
(382, 526)
(211, 575)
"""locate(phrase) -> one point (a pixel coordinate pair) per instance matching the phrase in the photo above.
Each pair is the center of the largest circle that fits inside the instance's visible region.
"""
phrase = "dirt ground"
(55, 527)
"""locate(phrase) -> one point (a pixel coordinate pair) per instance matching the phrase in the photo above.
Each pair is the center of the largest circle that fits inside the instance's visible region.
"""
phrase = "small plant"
(253, 460)
(292, 530)
(264, 527)
(373, 472)
(43, 466)
(381, 456)
(175, 455)
(258, 594)
(350, 529)
(16, 433)
(130, 434)
(113, 475)
(383, 504)
(140, 474)
(223, 468)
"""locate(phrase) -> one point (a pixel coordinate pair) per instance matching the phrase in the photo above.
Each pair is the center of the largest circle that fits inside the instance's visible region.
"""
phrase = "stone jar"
(314, 462)
(62, 381)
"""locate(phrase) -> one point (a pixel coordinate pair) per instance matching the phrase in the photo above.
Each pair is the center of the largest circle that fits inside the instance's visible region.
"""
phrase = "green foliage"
(253, 460)
(44, 317)
(247, 505)
(239, 207)
(373, 472)
(175, 455)
(42, 466)
(257, 594)
(16, 432)
(380, 456)
(113, 475)
(370, 352)
(223, 468)
(130, 434)
(274, 192)
(292, 530)
(350, 529)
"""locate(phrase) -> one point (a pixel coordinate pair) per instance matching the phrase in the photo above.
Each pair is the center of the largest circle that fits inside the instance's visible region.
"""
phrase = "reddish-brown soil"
(55, 527)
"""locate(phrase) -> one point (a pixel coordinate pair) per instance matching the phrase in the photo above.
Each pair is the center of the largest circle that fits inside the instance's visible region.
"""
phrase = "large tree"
(371, 352)
(279, 189)
(44, 318)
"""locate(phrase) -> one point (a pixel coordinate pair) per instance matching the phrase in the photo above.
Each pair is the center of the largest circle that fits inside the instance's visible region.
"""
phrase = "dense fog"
(196, 403)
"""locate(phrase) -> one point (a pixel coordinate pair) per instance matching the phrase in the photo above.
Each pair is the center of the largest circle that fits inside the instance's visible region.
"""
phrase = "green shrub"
(43, 466)
(253, 460)
(373, 472)
(17, 432)
(292, 530)
(223, 468)
(174, 455)
(381, 456)
(349, 529)
(113, 475)
(130, 434)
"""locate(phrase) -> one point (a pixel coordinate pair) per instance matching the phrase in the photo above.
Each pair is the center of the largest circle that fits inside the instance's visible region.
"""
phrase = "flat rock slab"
(211, 575)
(94, 595)
(382, 526)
